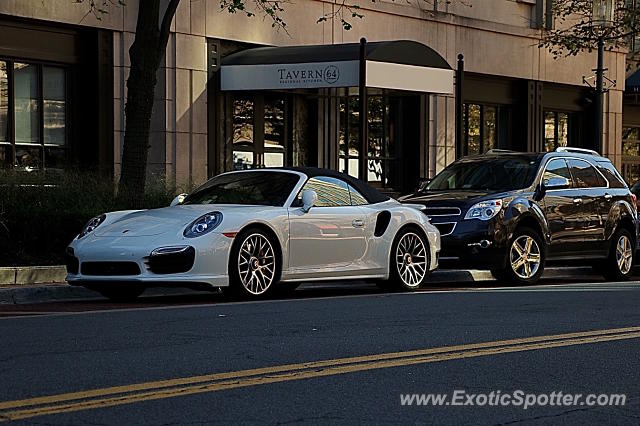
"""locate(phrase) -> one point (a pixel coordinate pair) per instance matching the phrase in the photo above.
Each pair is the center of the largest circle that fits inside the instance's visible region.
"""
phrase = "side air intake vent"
(382, 222)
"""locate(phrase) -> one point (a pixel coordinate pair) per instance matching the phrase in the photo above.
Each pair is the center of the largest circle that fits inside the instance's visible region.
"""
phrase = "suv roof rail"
(577, 150)
(499, 151)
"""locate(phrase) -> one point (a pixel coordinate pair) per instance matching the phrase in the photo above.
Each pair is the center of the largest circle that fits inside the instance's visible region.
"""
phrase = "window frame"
(481, 135)
(10, 162)
(544, 169)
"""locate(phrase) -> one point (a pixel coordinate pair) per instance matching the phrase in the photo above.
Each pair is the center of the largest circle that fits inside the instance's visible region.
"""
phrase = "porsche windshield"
(487, 174)
(248, 188)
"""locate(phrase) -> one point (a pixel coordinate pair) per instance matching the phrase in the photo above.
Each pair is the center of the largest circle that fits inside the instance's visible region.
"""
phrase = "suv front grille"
(445, 228)
(442, 211)
(110, 268)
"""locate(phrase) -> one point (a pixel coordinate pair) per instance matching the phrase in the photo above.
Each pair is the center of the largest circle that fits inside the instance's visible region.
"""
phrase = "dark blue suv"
(513, 212)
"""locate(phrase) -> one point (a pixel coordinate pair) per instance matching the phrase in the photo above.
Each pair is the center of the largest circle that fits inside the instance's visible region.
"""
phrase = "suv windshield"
(490, 174)
(248, 188)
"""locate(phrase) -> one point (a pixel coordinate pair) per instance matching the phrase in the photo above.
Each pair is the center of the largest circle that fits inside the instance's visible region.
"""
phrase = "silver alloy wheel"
(624, 254)
(411, 259)
(256, 264)
(525, 256)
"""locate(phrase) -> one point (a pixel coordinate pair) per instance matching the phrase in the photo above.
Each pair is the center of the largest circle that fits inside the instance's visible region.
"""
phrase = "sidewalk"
(22, 285)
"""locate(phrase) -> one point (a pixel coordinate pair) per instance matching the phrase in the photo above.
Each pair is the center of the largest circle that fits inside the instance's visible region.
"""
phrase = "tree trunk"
(145, 55)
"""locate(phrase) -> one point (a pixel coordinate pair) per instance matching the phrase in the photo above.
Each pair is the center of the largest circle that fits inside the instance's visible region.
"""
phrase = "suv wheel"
(525, 258)
(619, 265)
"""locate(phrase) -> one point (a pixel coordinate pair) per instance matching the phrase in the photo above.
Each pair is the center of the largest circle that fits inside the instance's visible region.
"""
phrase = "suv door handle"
(577, 201)
(358, 223)
(608, 197)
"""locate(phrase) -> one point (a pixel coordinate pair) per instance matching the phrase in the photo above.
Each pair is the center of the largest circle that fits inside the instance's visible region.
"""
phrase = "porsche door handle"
(608, 197)
(358, 223)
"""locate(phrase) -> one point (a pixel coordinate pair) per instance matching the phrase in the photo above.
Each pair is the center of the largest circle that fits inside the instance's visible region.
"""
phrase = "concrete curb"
(25, 275)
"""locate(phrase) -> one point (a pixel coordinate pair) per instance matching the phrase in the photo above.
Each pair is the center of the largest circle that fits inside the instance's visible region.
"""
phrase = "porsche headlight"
(203, 225)
(484, 210)
(92, 224)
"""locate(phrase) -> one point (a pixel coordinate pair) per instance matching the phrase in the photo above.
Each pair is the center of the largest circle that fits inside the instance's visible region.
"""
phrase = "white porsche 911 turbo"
(253, 232)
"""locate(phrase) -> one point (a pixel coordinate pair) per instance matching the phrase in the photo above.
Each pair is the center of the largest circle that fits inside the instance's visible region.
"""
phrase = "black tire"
(408, 271)
(121, 292)
(524, 274)
(499, 275)
(261, 278)
(613, 268)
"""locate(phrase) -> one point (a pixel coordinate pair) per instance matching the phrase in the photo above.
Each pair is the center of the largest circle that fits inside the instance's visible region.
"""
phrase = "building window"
(258, 131)
(33, 116)
(631, 154)
(382, 153)
(480, 124)
(556, 130)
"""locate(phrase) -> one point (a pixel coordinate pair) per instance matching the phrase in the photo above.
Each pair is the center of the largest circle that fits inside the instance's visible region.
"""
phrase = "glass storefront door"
(258, 131)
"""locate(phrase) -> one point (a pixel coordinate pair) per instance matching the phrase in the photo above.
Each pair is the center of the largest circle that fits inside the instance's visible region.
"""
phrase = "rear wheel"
(525, 258)
(253, 265)
(410, 257)
(619, 265)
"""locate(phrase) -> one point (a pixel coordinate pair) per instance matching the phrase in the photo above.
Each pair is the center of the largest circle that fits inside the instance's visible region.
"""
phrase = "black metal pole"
(363, 113)
(459, 107)
(599, 92)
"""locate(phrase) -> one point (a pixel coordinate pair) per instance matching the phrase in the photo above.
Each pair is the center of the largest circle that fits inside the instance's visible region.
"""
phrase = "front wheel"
(253, 265)
(619, 264)
(410, 259)
(525, 258)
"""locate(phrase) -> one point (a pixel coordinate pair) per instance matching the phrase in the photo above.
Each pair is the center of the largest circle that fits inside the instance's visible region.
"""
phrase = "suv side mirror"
(309, 198)
(557, 182)
(422, 184)
(178, 200)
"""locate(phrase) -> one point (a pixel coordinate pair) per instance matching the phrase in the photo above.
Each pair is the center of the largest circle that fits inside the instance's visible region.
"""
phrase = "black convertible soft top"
(371, 194)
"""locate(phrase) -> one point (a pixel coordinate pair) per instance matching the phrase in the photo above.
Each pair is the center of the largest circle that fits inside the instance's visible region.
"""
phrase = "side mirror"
(422, 184)
(178, 200)
(309, 198)
(558, 182)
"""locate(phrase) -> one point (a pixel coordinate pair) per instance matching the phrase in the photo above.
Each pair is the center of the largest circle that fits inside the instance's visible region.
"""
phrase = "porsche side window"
(356, 198)
(331, 192)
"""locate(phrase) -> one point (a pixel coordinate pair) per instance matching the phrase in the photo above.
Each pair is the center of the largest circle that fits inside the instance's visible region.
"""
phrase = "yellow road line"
(107, 397)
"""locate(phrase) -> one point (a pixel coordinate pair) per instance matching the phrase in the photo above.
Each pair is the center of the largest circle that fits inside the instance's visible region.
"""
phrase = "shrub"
(41, 213)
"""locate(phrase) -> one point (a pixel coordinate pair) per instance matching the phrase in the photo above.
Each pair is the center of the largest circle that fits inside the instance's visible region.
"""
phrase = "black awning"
(632, 83)
(404, 52)
(399, 64)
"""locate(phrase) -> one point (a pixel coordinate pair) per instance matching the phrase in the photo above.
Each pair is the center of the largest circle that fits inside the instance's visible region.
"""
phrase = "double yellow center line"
(118, 395)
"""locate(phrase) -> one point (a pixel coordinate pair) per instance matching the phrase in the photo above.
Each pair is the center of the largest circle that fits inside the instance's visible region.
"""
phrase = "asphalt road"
(325, 356)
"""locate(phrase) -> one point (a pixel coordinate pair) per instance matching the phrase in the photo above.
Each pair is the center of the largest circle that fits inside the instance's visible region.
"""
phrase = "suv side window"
(612, 175)
(585, 175)
(331, 192)
(556, 168)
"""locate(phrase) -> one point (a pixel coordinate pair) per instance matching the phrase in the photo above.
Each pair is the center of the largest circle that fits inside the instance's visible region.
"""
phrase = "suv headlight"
(484, 210)
(92, 224)
(203, 225)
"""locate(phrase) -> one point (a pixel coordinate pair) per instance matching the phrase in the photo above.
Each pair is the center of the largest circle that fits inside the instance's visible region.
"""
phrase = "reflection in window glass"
(376, 126)
(27, 117)
(584, 175)
(242, 160)
(356, 198)
(549, 131)
(274, 110)
(53, 83)
(354, 129)
(563, 129)
(28, 157)
(342, 141)
(488, 128)
(473, 129)
(556, 168)
(331, 192)
(630, 141)
(4, 103)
